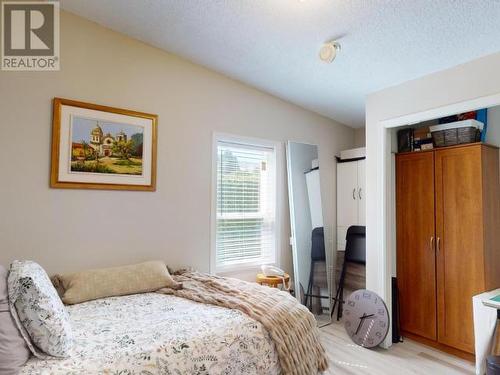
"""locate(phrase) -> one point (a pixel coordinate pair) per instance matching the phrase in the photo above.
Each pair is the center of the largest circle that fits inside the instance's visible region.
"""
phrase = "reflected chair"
(317, 255)
(355, 252)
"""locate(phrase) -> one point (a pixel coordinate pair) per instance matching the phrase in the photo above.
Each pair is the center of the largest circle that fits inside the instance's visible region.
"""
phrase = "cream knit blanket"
(291, 326)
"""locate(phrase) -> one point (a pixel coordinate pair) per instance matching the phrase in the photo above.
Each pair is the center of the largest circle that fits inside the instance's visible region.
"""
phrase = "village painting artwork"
(101, 147)
(105, 147)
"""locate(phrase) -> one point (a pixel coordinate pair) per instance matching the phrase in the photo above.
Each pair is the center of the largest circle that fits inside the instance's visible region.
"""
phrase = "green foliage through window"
(242, 194)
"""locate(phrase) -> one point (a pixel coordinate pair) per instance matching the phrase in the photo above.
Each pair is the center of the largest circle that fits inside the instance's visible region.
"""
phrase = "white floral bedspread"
(160, 334)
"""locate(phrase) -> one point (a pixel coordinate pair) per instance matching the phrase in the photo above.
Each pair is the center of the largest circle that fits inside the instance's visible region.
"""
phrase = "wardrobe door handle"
(354, 193)
(438, 246)
(431, 243)
(359, 193)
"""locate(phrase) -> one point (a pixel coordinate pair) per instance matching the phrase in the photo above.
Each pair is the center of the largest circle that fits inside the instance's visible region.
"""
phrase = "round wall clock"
(366, 318)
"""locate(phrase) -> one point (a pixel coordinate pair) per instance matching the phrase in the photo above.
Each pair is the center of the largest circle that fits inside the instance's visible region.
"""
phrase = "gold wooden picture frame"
(100, 147)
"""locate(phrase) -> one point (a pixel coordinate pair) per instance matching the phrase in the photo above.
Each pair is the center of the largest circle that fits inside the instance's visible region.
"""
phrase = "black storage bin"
(493, 365)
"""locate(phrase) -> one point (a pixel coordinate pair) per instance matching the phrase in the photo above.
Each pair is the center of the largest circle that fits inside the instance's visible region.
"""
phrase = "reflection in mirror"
(306, 216)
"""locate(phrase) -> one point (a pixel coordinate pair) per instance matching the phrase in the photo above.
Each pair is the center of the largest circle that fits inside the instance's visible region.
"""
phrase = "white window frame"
(279, 199)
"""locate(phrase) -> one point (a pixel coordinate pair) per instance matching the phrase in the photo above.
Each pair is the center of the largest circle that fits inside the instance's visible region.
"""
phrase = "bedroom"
(247, 71)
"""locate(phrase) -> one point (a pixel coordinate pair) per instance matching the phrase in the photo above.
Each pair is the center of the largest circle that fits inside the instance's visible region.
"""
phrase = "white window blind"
(246, 205)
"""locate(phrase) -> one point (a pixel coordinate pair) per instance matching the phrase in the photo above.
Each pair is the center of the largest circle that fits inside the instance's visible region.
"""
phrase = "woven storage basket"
(456, 133)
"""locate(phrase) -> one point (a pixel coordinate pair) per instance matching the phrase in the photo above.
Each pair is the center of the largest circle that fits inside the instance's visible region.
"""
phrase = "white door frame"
(385, 185)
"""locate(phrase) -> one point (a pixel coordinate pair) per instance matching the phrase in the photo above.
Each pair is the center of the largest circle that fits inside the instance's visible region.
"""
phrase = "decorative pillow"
(117, 281)
(13, 349)
(38, 310)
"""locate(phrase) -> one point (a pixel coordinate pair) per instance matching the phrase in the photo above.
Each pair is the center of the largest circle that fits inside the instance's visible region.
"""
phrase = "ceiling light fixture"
(329, 50)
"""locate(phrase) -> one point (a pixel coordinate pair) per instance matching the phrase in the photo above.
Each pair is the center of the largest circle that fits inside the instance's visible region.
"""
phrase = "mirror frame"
(293, 239)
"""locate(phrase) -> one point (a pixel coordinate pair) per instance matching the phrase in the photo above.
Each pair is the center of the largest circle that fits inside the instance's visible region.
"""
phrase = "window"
(245, 223)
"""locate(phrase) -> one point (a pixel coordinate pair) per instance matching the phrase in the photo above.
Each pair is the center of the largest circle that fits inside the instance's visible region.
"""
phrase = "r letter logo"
(30, 35)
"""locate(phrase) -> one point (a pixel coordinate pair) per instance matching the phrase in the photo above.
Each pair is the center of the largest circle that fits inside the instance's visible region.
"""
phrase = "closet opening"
(442, 225)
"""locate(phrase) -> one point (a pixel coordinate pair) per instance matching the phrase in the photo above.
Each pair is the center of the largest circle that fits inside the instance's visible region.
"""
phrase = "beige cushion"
(13, 349)
(117, 281)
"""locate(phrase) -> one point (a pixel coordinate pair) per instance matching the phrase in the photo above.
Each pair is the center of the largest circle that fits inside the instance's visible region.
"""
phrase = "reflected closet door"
(347, 199)
(416, 258)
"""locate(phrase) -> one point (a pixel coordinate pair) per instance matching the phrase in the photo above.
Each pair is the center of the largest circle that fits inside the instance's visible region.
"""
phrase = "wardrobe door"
(347, 199)
(459, 223)
(416, 274)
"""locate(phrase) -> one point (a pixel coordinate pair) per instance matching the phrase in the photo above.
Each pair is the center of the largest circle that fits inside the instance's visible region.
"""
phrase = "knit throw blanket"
(291, 326)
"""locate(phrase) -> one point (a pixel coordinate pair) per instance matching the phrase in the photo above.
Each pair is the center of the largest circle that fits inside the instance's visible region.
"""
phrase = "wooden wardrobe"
(448, 241)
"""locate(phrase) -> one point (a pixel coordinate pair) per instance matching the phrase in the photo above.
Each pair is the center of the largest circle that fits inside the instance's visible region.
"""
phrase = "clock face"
(366, 318)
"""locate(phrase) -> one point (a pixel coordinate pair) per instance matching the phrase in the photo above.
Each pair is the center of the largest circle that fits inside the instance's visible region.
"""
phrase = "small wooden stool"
(273, 281)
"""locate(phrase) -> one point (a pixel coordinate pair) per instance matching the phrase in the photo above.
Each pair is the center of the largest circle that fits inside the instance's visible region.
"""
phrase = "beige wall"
(359, 137)
(493, 132)
(67, 230)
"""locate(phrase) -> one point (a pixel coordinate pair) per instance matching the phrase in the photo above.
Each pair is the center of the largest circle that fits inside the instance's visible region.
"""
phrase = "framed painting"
(99, 147)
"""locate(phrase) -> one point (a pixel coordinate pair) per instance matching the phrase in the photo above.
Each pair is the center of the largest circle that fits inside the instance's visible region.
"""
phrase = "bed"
(161, 334)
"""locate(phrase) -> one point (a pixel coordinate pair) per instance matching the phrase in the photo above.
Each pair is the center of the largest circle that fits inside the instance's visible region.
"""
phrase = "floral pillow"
(38, 310)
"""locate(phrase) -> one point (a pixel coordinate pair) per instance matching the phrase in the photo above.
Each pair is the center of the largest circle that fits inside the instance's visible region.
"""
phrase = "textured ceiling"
(273, 44)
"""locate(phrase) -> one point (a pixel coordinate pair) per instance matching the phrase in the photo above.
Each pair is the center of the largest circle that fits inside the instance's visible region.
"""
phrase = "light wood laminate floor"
(408, 357)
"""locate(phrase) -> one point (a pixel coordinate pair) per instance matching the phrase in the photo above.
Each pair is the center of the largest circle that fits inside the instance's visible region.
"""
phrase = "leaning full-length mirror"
(310, 260)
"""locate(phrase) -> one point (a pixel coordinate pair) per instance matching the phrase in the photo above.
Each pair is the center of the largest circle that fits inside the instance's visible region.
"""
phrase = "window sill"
(246, 274)
(243, 267)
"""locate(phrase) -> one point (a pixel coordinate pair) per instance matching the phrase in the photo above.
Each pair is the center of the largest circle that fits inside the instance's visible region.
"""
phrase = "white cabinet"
(361, 192)
(351, 195)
